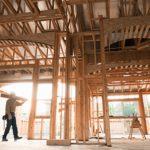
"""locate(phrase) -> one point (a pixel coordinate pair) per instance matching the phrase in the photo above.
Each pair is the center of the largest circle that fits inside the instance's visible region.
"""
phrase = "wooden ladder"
(136, 124)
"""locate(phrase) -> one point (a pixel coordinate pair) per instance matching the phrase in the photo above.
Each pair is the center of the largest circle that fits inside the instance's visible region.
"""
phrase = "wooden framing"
(99, 56)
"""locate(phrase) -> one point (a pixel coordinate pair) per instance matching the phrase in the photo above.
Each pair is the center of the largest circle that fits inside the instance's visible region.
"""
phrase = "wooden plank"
(65, 142)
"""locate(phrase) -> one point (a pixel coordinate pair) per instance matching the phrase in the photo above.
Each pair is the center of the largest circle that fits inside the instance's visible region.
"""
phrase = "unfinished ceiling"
(28, 28)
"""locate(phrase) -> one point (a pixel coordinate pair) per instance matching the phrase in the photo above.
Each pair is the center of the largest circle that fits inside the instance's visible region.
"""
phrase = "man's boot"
(4, 139)
(17, 138)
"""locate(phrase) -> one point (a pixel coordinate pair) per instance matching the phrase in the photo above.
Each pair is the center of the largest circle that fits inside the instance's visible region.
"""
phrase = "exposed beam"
(26, 17)
(41, 38)
(123, 100)
(127, 79)
(111, 25)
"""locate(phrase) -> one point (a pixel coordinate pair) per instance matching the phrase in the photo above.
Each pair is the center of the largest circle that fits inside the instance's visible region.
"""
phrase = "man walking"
(11, 104)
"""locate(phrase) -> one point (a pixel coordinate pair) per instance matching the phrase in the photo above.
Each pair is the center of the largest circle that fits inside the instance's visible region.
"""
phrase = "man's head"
(12, 95)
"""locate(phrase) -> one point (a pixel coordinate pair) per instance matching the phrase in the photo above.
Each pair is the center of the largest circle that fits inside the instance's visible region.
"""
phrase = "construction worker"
(11, 104)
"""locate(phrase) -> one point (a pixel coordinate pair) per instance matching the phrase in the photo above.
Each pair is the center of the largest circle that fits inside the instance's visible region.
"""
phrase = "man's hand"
(21, 101)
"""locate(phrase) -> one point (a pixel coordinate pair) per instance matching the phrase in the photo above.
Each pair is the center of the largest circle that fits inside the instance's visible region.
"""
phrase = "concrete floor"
(117, 144)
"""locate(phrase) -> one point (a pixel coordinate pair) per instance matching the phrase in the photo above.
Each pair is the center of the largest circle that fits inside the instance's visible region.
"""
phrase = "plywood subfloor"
(117, 144)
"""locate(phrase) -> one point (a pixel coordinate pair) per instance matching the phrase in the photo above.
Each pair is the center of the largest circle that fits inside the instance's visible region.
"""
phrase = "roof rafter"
(9, 6)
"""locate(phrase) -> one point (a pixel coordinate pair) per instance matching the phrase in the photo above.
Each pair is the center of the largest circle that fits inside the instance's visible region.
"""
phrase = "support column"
(54, 90)
(78, 125)
(81, 120)
(79, 106)
(33, 101)
(104, 83)
(142, 113)
(103, 103)
(87, 109)
(67, 73)
(86, 100)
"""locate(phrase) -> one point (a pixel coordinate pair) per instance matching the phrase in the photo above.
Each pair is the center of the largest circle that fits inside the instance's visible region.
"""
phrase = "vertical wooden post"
(86, 99)
(61, 109)
(83, 99)
(33, 101)
(41, 129)
(67, 72)
(104, 121)
(82, 126)
(79, 91)
(92, 115)
(70, 117)
(86, 112)
(104, 83)
(79, 104)
(76, 106)
(108, 8)
(144, 7)
(97, 108)
(142, 113)
(55, 85)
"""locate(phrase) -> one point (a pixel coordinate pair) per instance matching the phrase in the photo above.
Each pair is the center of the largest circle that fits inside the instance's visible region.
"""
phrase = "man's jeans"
(14, 127)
